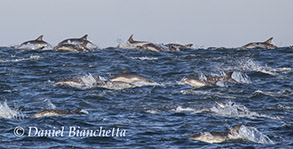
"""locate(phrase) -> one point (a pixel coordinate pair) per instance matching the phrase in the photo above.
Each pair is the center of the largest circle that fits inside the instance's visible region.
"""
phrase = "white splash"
(228, 109)
(253, 135)
(152, 111)
(251, 65)
(233, 109)
(193, 110)
(89, 81)
(7, 112)
(126, 45)
(285, 107)
(180, 109)
(240, 77)
(143, 58)
(21, 59)
(144, 83)
(206, 93)
(283, 93)
(49, 104)
(202, 77)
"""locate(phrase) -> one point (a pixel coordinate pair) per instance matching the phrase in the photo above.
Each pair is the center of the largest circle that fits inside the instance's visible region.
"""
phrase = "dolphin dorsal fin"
(269, 41)
(236, 128)
(130, 38)
(84, 37)
(229, 75)
(125, 71)
(40, 38)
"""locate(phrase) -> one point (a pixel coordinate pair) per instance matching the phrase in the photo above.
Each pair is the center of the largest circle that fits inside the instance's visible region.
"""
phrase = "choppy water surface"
(159, 116)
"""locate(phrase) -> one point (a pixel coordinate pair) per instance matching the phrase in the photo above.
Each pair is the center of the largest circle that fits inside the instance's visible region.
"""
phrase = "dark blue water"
(152, 116)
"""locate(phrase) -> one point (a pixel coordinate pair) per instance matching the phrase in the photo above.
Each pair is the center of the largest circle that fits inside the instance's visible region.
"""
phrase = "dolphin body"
(208, 81)
(133, 79)
(144, 45)
(72, 48)
(177, 47)
(54, 112)
(78, 41)
(218, 137)
(76, 44)
(38, 43)
(262, 45)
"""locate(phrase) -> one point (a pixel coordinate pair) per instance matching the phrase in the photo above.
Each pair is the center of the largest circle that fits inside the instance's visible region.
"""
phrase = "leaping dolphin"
(54, 112)
(263, 45)
(78, 41)
(38, 43)
(127, 77)
(72, 47)
(146, 45)
(218, 137)
(208, 81)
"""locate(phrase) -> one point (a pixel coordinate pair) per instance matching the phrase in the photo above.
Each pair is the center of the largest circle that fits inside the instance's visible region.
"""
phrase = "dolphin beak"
(84, 111)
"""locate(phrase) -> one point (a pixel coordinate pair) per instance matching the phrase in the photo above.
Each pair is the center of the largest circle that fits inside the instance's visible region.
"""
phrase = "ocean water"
(153, 116)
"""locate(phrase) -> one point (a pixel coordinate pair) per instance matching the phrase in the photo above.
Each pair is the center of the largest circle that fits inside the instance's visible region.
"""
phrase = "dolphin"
(97, 81)
(38, 43)
(226, 78)
(70, 82)
(196, 83)
(134, 79)
(263, 45)
(54, 112)
(72, 47)
(77, 41)
(153, 47)
(177, 47)
(137, 43)
(78, 82)
(208, 81)
(218, 137)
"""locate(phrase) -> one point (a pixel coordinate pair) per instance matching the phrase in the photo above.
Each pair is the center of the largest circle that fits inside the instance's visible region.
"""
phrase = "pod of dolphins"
(84, 45)
(133, 80)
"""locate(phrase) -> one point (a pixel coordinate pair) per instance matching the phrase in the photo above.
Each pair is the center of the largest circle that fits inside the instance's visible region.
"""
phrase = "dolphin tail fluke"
(84, 37)
(269, 41)
(40, 38)
(130, 38)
